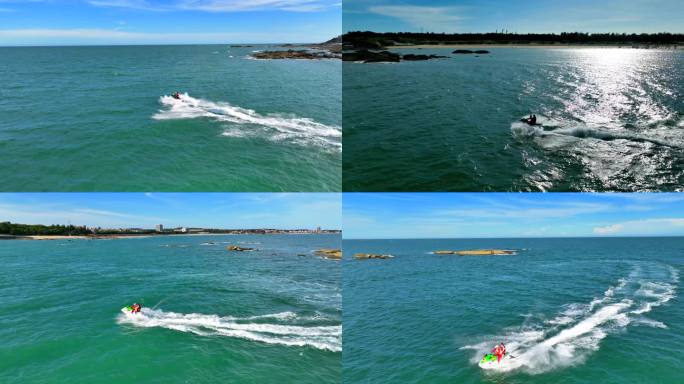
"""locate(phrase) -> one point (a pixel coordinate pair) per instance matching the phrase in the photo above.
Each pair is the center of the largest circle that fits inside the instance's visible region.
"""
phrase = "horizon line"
(512, 238)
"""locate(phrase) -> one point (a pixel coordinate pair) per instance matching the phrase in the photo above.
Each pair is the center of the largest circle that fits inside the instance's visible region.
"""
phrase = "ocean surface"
(209, 315)
(101, 119)
(570, 311)
(612, 119)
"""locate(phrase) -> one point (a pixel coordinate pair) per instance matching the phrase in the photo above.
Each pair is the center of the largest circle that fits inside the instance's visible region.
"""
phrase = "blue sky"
(103, 22)
(208, 210)
(523, 16)
(493, 215)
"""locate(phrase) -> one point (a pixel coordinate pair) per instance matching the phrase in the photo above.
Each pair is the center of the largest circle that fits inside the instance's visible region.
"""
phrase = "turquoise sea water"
(569, 310)
(95, 118)
(269, 316)
(612, 119)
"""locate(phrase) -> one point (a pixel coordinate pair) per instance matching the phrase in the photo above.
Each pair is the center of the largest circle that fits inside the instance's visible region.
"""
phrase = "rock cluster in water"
(468, 51)
(412, 57)
(366, 56)
(296, 54)
(367, 256)
(235, 248)
(478, 252)
(334, 254)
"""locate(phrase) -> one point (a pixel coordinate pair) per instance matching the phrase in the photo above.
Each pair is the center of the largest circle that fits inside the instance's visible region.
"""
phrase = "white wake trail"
(571, 336)
(263, 328)
(274, 127)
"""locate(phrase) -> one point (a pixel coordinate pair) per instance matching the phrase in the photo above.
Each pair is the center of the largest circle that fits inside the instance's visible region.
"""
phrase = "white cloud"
(609, 229)
(52, 214)
(522, 211)
(668, 226)
(434, 19)
(220, 5)
(117, 36)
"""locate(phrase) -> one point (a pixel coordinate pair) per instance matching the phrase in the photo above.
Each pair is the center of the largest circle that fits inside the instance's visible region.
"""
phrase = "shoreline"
(130, 236)
(562, 46)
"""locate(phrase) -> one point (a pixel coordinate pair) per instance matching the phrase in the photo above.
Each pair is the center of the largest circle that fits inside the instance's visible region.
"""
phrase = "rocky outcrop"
(412, 57)
(333, 254)
(366, 56)
(371, 56)
(295, 54)
(367, 256)
(333, 45)
(468, 51)
(478, 252)
(235, 248)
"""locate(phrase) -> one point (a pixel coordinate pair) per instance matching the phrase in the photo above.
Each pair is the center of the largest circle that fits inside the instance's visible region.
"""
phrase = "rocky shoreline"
(368, 56)
(301, 54)
(331, 49)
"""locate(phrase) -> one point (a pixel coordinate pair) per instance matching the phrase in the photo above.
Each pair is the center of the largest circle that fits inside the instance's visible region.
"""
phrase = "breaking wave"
(577, 330)
(275, 127)
(285, 328)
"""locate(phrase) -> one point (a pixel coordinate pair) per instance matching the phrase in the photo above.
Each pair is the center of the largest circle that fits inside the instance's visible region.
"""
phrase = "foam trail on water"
(550, 137)
(263, 328)
(571, 336)
(299, 130)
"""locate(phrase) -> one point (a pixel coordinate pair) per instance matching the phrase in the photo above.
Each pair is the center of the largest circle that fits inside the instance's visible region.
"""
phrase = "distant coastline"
(546, 46)
(13, 231)
(373, 40)
(142, 236)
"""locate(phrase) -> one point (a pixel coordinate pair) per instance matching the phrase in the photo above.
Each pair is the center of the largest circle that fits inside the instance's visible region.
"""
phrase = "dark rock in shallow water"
(371, 57)
(235, 248)
(368, 256)
(468, 51)
(412, 57)
(296, 54)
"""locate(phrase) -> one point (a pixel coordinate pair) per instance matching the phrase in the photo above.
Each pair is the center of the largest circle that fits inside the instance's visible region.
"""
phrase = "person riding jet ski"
(177, 95)
(499, 351)
(135, 308)
(532, 120)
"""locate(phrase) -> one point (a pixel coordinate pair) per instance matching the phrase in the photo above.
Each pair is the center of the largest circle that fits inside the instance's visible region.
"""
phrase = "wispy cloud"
(220, 5)
(58, 214)
(667, 226)
(436, 19)
(119, 36)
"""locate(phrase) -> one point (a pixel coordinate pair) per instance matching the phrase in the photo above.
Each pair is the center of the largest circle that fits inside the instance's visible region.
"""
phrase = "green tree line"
(7, 228)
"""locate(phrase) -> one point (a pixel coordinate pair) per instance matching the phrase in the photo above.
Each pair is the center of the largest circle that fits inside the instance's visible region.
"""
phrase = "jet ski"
(489, 361)
(131, 309)
(527, 121)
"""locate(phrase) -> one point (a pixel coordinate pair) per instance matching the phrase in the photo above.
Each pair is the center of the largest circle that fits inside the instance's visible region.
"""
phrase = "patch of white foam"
(246, 122)
(277, 328)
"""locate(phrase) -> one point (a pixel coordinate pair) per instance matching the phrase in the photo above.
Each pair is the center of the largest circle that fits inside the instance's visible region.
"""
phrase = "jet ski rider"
(135, 308)
(499, 351)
